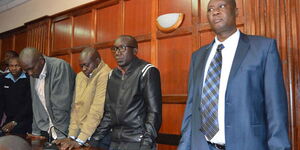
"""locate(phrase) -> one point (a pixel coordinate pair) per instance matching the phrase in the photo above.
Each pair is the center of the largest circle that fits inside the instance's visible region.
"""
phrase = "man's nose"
(216, 11)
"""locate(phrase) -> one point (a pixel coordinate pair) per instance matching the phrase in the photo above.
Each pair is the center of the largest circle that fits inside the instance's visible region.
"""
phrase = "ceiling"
(8, 4)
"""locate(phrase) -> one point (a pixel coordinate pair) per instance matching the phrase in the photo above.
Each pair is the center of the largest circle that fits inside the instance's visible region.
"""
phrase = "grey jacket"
(59, 87)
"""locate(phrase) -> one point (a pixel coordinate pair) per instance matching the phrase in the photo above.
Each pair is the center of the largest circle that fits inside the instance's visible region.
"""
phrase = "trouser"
(103, 143)
(128, 146)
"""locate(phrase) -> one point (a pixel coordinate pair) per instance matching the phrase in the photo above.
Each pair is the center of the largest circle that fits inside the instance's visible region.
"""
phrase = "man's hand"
(62, 141)
(9, 126)
(35, 137)
(69, 145)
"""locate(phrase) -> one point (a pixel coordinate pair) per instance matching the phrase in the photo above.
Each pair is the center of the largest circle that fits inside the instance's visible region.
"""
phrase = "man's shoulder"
(257, 40)
(55, 61)
(58, 64)
(202, 49)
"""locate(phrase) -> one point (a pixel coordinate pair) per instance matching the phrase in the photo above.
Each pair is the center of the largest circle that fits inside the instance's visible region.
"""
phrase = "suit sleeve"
(61, 97)
(185, 141)
(96, 110)
(276, 101)
(73, 127)
(153, 101)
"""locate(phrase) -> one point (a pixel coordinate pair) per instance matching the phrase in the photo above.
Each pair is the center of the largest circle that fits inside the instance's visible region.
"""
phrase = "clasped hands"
(67, 143)
(9, 126)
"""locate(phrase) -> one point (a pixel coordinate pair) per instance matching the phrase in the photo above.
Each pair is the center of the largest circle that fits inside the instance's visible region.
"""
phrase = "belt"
(218, 146)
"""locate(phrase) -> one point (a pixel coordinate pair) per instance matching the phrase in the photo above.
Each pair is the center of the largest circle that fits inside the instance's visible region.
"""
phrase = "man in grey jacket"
(52, 84)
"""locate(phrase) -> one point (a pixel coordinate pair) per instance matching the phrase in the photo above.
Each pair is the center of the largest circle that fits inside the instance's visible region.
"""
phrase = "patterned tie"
(210, 96)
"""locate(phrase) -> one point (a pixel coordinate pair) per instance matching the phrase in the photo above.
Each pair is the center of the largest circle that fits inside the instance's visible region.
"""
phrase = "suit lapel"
(199, 60)
(240, 54)
(47, 86)
(200, 64)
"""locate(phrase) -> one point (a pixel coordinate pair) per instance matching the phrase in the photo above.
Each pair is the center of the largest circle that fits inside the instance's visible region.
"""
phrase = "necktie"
(210, 96)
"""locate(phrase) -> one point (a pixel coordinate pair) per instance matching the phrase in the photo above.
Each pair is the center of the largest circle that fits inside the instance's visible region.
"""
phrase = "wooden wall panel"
(108, 23)
(137, 17)
(38, 34)
(75, 62)
(177, 6)
(7, 44)
(62, 34)
(173, 62)
(82, 29)
(107, 57)
(20, 41)
(166, 147)
(144, 51)
(172, 123)
(206, 37)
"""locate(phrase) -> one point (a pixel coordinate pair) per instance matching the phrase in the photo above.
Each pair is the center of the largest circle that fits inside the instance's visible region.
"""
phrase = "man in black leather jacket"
(133, 100)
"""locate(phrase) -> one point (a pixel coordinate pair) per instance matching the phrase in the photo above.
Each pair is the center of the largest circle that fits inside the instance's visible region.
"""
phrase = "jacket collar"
(10, 76)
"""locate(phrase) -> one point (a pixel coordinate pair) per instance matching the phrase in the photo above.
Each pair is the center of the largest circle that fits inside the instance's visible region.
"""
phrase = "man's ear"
(135, 50)
(236, 12)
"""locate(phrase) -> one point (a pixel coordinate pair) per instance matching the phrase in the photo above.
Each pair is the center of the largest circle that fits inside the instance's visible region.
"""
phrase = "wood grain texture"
(20, 41)
(137, 17)
(108, 23)
(173, 62)
(82, 29)
(62, 34)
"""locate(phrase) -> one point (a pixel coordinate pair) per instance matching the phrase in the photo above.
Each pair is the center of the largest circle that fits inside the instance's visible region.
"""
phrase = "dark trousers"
(128, 146)
(103, 143)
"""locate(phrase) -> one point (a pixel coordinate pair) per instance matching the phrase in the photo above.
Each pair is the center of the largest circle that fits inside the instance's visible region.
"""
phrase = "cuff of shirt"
(36, 134)
(80, 142)
(72, 137)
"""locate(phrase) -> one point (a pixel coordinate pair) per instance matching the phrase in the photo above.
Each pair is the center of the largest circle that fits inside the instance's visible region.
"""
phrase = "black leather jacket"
(132, 105)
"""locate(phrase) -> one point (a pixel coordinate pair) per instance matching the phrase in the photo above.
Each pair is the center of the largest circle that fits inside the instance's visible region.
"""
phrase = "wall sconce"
(169, 22)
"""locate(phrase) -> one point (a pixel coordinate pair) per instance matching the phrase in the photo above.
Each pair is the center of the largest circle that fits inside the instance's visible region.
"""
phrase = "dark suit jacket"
(255, 99)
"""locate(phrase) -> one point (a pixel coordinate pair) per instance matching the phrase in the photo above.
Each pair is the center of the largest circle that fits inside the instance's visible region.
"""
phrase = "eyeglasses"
(121, 48)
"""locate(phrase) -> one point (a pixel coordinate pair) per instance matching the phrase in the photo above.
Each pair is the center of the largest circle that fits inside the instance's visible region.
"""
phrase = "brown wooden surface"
(98, 23)
(82, 29)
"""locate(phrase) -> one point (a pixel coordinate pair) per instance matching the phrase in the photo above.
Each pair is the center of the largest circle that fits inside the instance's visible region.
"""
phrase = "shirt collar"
(10, 76)
(231, 39)
(44, 72)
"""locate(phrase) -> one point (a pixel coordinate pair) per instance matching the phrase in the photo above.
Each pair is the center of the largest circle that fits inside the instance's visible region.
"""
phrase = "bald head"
(89, 53)
(32, 61)
(29, 55)
(12, 142)
(89, 60)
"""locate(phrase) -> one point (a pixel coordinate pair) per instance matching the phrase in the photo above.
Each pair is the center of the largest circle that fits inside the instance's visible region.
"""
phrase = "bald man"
(88, 105)
(52, 84)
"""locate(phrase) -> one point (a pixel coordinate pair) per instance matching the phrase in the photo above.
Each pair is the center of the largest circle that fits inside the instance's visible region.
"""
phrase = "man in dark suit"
(236, 98)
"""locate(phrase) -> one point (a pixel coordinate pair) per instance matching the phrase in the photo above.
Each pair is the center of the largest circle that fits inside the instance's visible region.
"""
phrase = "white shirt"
(40, 89)
(230, 46)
